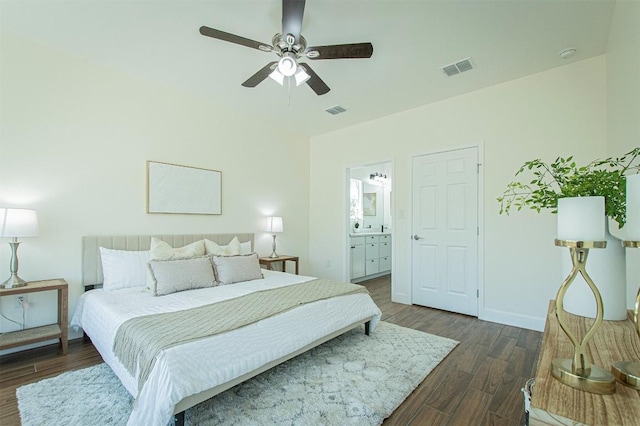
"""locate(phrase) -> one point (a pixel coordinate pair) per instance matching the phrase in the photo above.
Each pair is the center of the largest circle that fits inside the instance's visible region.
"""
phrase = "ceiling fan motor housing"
(281, 46)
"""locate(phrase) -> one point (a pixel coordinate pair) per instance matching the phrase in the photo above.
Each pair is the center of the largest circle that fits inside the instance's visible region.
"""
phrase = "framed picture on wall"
(369, 202)
(172, 188)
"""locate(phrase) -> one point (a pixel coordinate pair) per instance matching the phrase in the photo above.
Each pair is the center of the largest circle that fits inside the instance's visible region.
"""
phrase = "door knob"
(417, 237)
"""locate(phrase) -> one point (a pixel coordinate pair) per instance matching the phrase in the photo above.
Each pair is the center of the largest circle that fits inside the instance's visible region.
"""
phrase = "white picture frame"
(177, 189)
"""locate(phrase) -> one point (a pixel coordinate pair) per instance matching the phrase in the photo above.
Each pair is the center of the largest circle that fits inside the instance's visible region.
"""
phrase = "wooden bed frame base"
(196, 399)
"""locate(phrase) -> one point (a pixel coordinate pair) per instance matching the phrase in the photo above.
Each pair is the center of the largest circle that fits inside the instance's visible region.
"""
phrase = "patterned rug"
(350, 380)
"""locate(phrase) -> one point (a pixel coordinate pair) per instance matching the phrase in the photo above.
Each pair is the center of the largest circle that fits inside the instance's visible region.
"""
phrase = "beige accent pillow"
(233, 269)
(161, 250)
(234, 248)
(170, 276)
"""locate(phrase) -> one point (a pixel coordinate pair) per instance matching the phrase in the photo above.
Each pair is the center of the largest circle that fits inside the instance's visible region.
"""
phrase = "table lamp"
(274, 224)
(14, 224)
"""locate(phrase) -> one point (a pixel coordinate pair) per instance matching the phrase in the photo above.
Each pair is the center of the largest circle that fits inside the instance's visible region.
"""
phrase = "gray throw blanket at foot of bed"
(140, 339)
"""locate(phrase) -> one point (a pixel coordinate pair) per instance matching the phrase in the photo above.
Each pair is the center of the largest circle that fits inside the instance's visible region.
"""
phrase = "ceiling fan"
(291, 46)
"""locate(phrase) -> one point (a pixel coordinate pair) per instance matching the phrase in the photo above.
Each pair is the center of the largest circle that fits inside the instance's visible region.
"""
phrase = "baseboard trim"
(370, 277)
(515, 320)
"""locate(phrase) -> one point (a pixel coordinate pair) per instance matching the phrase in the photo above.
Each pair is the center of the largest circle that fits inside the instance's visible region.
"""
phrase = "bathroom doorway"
(369, 221)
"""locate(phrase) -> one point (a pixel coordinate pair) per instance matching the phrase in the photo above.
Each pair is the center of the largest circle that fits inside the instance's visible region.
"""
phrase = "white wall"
(75, 138)
(555, 113)
(623, 101)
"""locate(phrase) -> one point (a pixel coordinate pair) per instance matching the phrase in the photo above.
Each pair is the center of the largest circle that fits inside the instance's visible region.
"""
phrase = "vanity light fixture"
(378, 177)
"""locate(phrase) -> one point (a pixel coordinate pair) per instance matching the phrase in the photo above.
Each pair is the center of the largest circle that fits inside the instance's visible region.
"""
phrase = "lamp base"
(273, 251)
(13, 282)
(627, 373)
(598, 381)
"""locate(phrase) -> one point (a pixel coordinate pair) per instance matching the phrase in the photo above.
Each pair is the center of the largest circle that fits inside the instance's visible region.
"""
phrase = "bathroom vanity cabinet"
(370, 255)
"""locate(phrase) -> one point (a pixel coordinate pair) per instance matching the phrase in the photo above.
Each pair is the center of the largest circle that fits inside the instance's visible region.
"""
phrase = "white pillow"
(123, 268)
(234, 248)
(245, 248)
(170, 276)
(233, 269)
(163, 251)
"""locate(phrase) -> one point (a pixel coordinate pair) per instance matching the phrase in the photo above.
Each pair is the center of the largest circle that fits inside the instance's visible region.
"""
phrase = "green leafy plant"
(563, 178)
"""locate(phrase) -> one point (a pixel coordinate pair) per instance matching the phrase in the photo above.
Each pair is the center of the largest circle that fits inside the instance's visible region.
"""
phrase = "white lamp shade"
(277, 77)
(581, 219)
(301, 76)
(632, 226)
(274, 224)
(18, 223)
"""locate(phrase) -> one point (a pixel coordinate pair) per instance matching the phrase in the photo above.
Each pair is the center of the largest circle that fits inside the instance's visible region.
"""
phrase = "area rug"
(353, 379)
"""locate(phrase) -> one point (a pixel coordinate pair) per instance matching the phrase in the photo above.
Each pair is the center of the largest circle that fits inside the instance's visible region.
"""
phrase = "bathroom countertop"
(364, 234)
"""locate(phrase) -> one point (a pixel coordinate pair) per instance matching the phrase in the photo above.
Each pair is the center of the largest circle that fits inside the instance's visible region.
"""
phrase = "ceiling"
(158, 40)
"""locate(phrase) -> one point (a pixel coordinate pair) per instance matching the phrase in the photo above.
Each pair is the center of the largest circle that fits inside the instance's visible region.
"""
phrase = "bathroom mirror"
(370, 198)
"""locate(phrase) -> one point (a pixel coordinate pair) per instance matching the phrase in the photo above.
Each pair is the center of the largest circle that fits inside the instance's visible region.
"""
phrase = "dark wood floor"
(477, 384)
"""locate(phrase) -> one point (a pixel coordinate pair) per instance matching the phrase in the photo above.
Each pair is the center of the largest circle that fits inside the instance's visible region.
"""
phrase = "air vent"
(451, 70)
(458, 67)
(335, 110)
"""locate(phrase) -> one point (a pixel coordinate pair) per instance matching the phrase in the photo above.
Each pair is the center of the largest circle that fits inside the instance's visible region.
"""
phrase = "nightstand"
(45, 332)
(268, 261)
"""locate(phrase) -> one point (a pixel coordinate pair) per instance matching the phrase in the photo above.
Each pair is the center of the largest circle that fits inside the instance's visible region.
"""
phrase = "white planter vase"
(607, 268)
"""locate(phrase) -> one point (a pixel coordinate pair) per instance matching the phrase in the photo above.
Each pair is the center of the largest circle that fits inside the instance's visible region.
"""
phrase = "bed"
(185, 374)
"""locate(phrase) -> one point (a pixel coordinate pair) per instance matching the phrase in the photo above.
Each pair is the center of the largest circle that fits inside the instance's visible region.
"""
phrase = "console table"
(59, 330)
(554, 403)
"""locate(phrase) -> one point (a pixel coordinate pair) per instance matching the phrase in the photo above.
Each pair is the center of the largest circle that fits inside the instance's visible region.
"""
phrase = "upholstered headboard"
(92, 265)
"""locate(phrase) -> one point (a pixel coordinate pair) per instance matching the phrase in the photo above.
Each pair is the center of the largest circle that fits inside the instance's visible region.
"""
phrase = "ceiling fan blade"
(258, 77)
(315, 82)
(292, 13)
(232, 38)
(340, 51)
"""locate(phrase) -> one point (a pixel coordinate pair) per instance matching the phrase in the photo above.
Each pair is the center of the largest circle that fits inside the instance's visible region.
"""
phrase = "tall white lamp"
(274, 224)
(14, 224)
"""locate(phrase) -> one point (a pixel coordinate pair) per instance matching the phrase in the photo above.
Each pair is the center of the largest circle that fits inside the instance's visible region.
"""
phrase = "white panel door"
(445, 231)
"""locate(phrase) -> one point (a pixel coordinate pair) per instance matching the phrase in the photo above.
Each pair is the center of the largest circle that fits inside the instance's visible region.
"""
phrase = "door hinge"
(478, 230)
(478, 293)
(478, 168)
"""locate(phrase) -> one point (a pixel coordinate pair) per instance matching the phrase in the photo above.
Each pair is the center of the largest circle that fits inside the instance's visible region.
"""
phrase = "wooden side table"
(45, 332)
(268, 261)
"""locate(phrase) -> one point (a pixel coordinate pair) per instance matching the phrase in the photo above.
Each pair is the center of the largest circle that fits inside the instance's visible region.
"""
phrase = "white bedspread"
(188, 369)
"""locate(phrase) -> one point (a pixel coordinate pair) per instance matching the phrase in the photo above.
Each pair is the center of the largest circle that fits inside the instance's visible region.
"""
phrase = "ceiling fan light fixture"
(277, 77)
(301, 76)
(287, 66)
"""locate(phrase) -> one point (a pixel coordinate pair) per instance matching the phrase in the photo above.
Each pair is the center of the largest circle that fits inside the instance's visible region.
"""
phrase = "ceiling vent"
(458, 67)
(335, 110)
